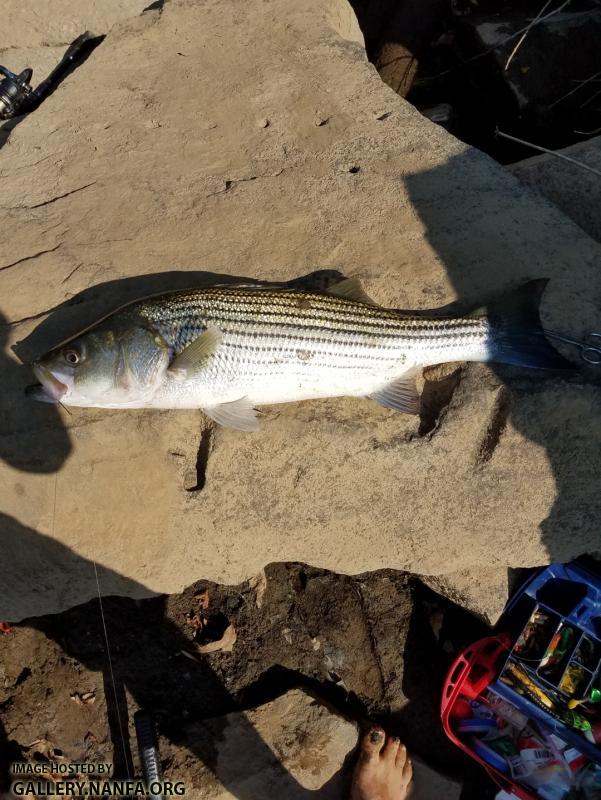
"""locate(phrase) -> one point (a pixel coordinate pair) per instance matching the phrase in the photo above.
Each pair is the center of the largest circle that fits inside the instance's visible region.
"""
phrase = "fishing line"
(112, 674)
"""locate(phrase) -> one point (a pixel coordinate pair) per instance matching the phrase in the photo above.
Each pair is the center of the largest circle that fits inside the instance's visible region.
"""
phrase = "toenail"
(375, 737)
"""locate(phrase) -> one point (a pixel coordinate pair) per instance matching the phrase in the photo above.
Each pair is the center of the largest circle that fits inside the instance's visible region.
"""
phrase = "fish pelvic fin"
(239, 414)
(401, 394)
(516, 332)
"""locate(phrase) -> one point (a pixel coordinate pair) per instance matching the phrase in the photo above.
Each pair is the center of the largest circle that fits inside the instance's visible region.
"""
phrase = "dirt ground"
(376, 646)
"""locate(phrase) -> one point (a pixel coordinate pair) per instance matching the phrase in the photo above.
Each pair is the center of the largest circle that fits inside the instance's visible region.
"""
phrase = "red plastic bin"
(473, 672)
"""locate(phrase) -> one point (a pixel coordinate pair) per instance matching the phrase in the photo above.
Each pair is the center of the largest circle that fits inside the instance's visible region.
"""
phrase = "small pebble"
(320, 120)
(264, 123)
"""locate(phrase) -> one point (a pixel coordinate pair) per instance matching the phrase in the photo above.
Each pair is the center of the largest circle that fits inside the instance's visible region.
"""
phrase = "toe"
(407, 772)
(391, 748)
(372, 743)
(401, 756)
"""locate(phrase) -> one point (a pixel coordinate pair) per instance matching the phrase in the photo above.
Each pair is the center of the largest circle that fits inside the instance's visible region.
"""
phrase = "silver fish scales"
(228, 349)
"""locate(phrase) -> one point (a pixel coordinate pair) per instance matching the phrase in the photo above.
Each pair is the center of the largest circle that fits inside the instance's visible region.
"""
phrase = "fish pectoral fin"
(401, 394)
(351, 289)
(239, 414)
(194, 356)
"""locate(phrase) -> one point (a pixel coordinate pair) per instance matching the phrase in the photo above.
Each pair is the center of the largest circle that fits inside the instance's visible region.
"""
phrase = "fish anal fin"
(194, 356)
(239, 414)
(351, 289)
(401, 394)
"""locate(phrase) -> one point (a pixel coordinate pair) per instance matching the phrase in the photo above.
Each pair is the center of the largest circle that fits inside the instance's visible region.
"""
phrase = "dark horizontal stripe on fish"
(278, 328)
(280, 299)
(314, 353)
(266, 369)
(400, 324)
(302, 345)
(345, 341)
(340, 338)
(300, 309)
(252, 315)
(287, 306)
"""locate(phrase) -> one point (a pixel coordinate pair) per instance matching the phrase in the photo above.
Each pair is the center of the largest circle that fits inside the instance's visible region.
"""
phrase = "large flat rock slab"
(293, 747)
(255, 140)
(576, 191)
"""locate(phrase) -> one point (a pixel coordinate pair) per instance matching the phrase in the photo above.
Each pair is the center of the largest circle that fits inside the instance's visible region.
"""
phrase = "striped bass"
(228, 349)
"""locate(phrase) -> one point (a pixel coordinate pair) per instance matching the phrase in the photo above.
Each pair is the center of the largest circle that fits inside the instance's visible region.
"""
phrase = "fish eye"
(71, 356)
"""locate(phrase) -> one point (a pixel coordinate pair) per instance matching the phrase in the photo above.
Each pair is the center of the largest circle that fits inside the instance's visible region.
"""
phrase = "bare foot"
(383, 771)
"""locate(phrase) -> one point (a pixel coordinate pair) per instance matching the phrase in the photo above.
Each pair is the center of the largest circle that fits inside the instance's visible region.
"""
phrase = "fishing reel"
(15, 91)
(18, 97)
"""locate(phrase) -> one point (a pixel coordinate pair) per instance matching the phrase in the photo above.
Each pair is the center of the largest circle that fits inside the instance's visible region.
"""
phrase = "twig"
(526, 32)
(590, 100)
(507, 39)
(580, 85)
(550, 152)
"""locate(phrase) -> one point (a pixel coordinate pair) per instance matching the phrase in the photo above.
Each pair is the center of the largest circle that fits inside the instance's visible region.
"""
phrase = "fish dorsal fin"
(239, 414)
(350, 289)
(194, 356)
(401, 394)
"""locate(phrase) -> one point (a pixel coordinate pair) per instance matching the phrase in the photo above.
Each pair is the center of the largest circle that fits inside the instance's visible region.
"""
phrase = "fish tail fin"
(517, 336)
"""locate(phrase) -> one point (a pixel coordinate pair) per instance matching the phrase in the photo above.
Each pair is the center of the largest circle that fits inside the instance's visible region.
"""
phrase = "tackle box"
(545, 665)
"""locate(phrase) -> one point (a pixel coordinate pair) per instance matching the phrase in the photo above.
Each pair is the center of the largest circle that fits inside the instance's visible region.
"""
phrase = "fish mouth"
(51, 389)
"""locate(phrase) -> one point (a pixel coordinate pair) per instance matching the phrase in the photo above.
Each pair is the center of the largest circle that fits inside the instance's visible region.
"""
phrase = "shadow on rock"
(490, 236)
(175, 689)
(32, 435)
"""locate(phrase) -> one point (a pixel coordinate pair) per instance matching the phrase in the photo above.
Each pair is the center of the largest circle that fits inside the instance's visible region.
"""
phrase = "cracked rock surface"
(151, 166)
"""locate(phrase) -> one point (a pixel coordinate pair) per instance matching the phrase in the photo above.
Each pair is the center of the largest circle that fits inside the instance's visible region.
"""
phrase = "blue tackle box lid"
(570, 596)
